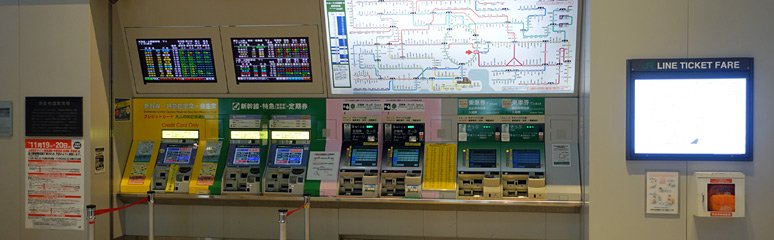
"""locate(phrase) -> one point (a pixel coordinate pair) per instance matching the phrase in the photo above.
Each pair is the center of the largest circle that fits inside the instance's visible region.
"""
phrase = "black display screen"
(176, 60)
(272, 59)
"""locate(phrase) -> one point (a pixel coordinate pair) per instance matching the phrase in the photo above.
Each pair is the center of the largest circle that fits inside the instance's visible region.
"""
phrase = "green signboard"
(501, 106)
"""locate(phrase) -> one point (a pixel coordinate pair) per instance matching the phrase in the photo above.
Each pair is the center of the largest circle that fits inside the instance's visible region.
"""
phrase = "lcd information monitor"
(690, 109)
(364, 157)
(176, 60)
(271, 59)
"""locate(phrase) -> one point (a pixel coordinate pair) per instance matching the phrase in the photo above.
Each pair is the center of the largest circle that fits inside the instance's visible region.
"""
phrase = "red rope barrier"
(294, 210)
(107, 210)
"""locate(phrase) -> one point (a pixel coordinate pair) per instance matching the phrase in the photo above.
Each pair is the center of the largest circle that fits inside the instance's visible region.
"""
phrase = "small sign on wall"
(6, 119)
(54, 116)
(662, 193)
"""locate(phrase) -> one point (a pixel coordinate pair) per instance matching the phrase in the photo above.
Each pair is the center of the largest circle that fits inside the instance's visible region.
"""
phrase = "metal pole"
(283, 220)
(90, 215)
(151, 215)
(307, 203)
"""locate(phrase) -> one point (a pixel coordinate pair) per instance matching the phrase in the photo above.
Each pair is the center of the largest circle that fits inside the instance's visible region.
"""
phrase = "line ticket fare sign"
(452, 46)
(54, 184)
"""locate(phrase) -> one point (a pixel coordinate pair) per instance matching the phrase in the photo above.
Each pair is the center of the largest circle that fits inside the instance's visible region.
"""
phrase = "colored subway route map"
(452, 46)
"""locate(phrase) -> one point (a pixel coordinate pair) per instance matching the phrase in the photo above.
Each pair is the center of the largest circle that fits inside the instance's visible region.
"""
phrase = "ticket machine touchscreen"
(364, 157)
(246, 155)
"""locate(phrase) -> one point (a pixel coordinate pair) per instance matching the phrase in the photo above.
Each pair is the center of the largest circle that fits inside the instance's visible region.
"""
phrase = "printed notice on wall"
(54, 184)
(662, 192)
(560, 155)
(323, 169)
(440, 166)
(323, 166)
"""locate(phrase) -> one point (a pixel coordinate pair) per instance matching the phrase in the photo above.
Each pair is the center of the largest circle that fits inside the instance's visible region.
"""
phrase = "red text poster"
(54, 184)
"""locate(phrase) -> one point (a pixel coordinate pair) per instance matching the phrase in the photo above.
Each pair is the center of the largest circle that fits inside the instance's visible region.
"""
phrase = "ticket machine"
(290, 136)
(175, 161)
(246, 154)
(359, 163)
(402, 159)
(523, 165)
(479, 157)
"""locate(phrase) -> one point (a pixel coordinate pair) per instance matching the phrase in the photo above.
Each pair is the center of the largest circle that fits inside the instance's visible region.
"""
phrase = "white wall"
(46, 49)
(10, 159)
(625, 29)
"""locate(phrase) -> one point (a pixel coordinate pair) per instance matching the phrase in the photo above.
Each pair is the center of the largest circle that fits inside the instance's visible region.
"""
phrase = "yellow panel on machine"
(170, 136)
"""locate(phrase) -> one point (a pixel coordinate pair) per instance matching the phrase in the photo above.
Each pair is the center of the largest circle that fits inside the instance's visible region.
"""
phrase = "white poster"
(662, 193)
(560, 155)
(323, 166)
(54, 184)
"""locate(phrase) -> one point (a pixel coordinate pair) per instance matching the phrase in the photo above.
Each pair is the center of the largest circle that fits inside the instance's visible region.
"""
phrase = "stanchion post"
(151, 215)
(307, 205)
(283, 220)
(91, 216)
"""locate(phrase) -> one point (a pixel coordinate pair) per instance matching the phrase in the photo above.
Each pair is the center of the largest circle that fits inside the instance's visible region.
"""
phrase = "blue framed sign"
(689, 109)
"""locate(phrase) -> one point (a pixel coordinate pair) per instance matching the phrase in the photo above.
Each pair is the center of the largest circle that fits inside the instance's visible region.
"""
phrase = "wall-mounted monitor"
(176, 60)
(266, 60)
(277, 60)
(690, 109)
(442, 48)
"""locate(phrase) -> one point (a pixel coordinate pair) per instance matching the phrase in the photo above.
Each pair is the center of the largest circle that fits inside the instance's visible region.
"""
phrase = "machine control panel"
(243, 168)
(359, 164)
(522, 167)
(288, 155)
(403, 155)
(479, 159)
(174, 163)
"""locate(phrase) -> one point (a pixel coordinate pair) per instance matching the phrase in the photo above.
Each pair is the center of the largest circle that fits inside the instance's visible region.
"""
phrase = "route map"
(452, 46)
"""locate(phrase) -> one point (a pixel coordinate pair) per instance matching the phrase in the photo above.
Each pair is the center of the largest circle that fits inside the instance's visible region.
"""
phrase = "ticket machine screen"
(246, 155)
(405, 157)
(178, 154)
(289, 156)
(364, 157)
(482, 158)
(526, 158)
